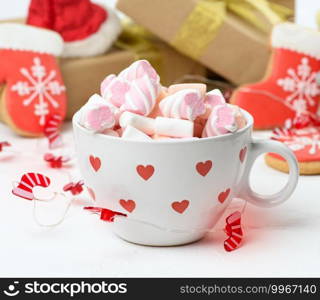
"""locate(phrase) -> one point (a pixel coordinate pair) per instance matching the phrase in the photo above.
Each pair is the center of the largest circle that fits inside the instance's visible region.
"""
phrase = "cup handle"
(256, 148)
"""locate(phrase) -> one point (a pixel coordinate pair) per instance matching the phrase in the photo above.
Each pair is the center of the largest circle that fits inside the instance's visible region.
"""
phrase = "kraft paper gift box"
(234, 47)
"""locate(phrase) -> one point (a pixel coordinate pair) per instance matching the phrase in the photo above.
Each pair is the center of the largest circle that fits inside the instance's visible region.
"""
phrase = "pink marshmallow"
(214, 97)
(221, 121)
(141, 97)
(97, 115)
(202, 88)
(185, 104)
(240, 119)
(114, 89)
(139, 69)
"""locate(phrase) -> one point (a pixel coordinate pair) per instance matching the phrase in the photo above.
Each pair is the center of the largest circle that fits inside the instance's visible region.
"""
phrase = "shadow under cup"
(173, 192)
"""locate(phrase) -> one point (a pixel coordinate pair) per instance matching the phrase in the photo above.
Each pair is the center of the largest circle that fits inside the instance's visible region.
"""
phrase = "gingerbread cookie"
(304, 142)
(32, 89)
(289, 87)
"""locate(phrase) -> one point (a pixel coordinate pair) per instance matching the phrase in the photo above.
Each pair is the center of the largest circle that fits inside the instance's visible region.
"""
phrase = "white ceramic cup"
(174, 191)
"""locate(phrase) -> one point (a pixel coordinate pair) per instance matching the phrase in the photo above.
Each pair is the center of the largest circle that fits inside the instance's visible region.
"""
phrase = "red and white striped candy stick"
(27, 182)
(52, 132)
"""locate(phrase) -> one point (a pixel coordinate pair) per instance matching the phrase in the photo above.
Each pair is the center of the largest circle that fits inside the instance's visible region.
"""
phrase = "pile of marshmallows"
(134, 105)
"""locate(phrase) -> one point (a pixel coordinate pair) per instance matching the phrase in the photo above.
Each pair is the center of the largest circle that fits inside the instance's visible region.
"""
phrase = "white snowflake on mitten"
(40, 87)
(301, 85)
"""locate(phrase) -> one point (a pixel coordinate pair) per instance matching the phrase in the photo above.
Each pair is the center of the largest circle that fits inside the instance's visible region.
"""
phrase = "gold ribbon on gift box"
(203, 23)
(140, 42)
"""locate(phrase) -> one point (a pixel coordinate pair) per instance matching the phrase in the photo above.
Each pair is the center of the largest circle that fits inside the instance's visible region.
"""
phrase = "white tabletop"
(281, 241)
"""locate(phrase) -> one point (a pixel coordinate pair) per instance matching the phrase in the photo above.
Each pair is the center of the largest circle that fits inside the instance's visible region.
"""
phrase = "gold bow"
(255, 11)
(202, 24)
(139, 41)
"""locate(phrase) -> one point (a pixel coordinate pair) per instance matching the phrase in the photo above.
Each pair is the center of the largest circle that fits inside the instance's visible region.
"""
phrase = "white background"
(282, 241)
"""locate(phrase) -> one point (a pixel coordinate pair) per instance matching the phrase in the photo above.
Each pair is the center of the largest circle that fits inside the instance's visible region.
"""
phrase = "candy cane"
(27, 182)
(52, 132)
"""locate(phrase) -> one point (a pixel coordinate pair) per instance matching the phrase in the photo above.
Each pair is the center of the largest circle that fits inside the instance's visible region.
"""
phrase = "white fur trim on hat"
(296, 38)
(98, 42)
(30, 38)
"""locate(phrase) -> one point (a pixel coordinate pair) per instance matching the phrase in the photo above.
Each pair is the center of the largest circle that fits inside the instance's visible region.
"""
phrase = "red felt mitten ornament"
(234, 231)
(87, 29)
(290, 86)
(33, 87)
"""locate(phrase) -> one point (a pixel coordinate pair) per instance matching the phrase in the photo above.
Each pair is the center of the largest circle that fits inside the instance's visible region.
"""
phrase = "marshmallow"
(139, 81)
(139, 69)
(184, 104)
(214, 97)
(114, 89)
(221, 121)
(110, 132)
(131, 133)
(173, 127)
(141, 97)
(97, 115)
(239, 117)
(144, 124)
(202, 88)
(161, 137)
(156, 112)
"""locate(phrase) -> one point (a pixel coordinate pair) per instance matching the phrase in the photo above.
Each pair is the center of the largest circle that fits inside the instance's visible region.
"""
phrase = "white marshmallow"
(110, 132)
(131, 133)
(173, 127)
(142, 123)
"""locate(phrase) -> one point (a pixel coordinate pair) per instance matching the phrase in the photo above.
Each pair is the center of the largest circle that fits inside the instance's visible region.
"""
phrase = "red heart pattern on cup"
(242, 154)
(181, 206)
(223, 195)
(203, 168)
(128, 205)
(95, 162)
(145, 172)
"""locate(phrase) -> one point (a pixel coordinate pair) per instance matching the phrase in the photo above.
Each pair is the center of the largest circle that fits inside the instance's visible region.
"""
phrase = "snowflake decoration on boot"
(41, 87)
(301, 85)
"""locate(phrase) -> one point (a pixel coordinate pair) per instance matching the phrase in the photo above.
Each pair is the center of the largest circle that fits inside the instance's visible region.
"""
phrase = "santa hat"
(86, 28)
